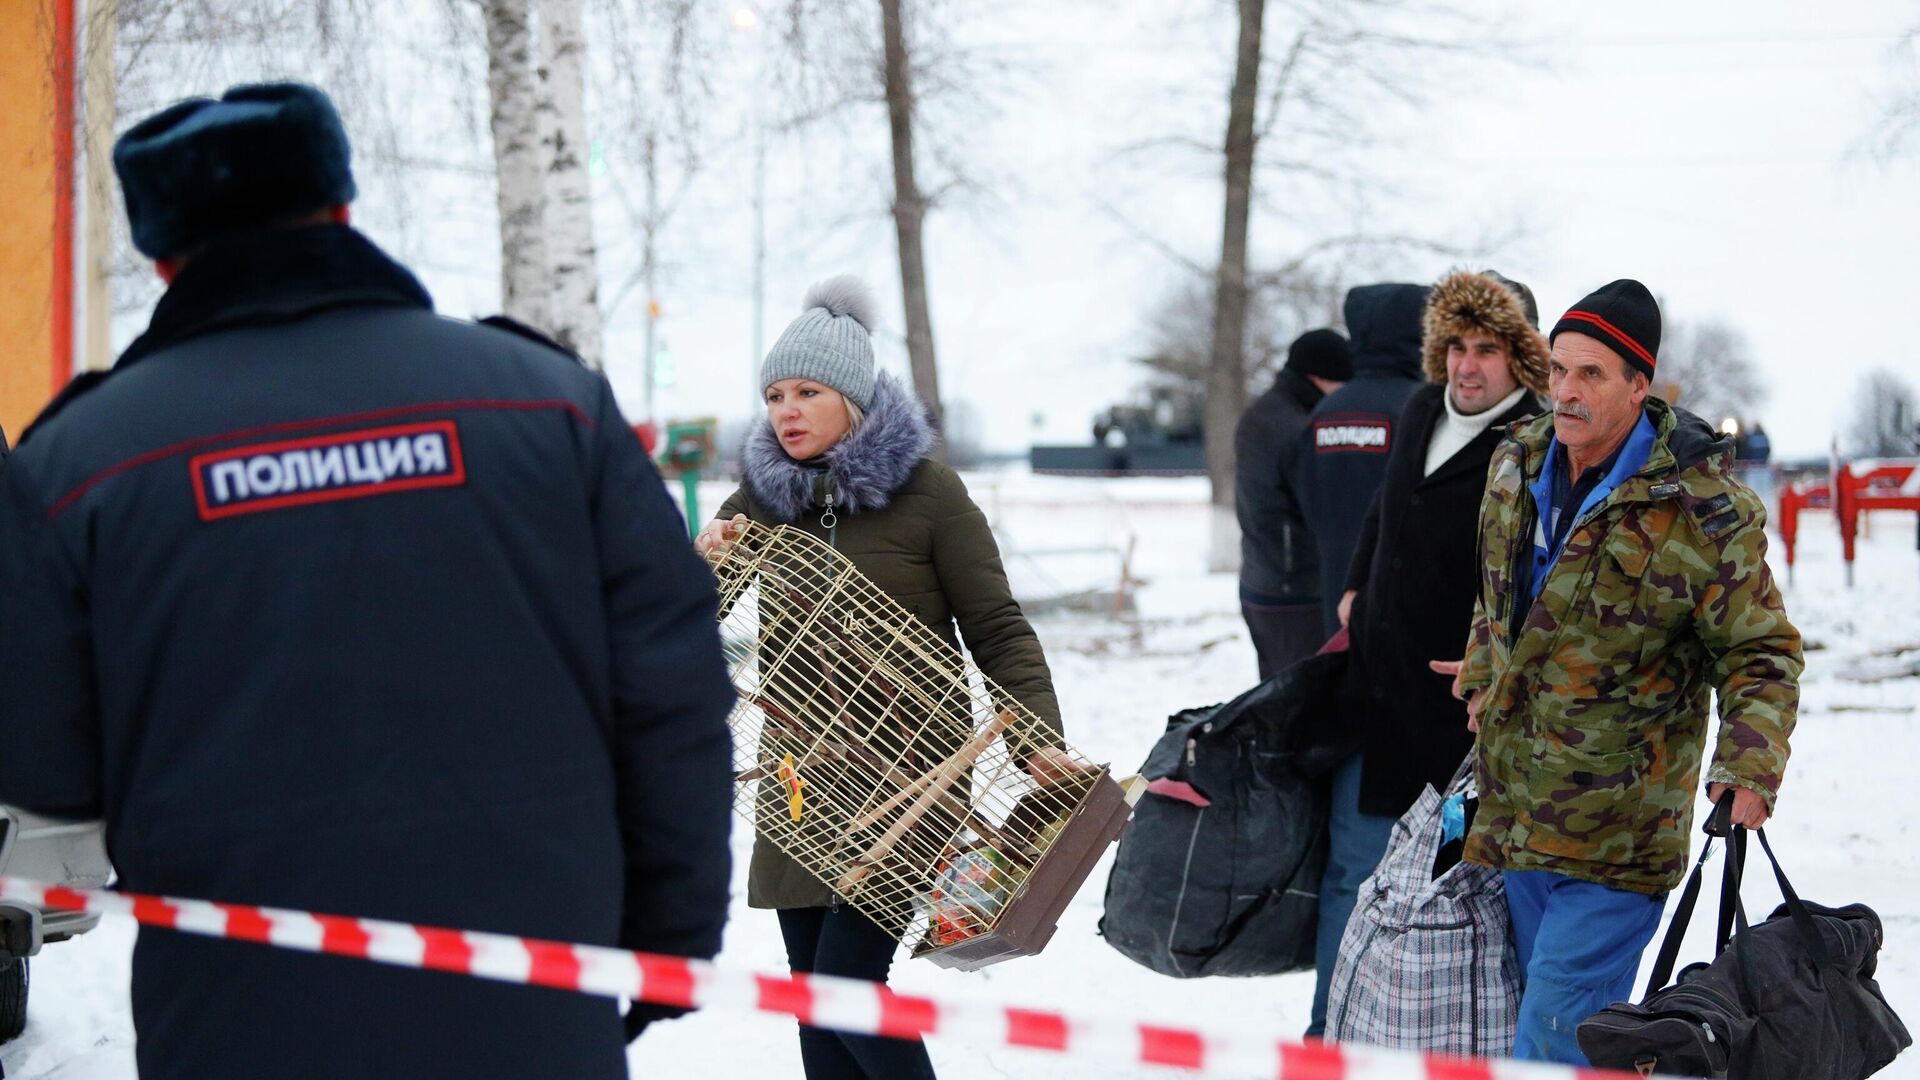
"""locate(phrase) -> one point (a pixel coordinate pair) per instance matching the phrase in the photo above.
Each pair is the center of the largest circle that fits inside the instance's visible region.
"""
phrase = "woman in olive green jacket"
(843, 456)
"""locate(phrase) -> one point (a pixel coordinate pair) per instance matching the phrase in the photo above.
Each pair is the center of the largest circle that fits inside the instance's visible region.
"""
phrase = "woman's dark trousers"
(841, 941)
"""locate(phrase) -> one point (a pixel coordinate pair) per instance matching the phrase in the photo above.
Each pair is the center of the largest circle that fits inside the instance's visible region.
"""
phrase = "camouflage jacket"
(1593, 727)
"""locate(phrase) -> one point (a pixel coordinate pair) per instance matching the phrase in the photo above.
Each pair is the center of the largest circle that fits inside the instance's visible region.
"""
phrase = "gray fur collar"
(864, 470)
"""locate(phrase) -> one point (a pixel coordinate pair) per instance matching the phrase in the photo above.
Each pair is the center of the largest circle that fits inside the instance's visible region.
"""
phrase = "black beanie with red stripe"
(1623, 316)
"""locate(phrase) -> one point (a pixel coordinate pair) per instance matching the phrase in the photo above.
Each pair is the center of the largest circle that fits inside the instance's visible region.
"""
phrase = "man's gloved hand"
(642, 1013)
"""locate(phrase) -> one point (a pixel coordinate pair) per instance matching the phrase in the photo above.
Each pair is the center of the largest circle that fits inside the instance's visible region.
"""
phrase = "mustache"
(1573, 409)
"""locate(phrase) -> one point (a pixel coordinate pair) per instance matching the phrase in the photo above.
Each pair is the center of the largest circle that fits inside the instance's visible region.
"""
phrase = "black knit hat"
(1527, 302)
(204, 169)
(1321, 352)
(1623, 316)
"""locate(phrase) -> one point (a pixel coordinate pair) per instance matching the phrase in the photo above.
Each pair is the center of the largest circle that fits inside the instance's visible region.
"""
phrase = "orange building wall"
(36, 271)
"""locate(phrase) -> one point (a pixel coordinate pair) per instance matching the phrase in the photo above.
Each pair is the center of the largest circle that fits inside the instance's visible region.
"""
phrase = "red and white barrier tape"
(851, 1005)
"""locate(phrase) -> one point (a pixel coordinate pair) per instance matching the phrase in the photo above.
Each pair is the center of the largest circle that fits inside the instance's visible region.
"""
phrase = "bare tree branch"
(1283, 83)
(1897, 130)
(1886, 417)
(1158, 244)
(1708, 367)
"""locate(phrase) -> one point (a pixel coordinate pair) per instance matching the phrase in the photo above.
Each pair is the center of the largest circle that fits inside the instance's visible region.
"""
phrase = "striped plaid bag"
(1427, 962)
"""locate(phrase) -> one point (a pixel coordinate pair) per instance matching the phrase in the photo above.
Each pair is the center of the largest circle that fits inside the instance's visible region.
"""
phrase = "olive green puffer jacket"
(908, 524)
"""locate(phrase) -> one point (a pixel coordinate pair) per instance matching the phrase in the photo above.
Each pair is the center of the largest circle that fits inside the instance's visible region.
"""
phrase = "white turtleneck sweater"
(1456, 430)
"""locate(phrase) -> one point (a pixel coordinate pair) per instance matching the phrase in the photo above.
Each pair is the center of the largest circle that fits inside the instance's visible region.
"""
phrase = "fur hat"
(1466, 302)
(831, 342)
(202, 170)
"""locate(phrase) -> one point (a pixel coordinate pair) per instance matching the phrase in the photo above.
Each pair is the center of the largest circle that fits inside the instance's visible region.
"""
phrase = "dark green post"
(686, 449)
(690, 484)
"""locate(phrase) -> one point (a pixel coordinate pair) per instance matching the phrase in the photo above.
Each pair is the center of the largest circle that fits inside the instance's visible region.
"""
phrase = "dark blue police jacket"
(324, 601)
(1350, 434)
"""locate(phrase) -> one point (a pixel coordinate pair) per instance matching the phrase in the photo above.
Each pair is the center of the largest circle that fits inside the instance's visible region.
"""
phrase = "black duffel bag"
(1218, 872)
(1790, 999)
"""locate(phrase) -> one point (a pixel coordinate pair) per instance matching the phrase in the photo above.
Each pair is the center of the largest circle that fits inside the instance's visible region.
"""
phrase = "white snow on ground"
(1843, 829)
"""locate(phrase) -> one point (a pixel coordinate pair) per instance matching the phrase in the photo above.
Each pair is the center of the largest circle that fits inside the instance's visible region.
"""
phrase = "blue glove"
(1453, 818)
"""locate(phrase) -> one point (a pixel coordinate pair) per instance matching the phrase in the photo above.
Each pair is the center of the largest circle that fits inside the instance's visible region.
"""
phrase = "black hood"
(1383, 322)
(1693, 440)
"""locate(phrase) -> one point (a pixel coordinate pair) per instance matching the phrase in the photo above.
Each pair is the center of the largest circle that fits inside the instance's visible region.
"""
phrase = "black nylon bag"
(1218, 873)
(1790, 999)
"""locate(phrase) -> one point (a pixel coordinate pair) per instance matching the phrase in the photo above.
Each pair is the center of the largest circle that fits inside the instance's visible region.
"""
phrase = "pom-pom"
(847, 295)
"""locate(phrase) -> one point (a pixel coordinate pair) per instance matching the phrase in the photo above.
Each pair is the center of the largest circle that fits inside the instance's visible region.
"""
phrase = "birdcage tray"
(1031, 915)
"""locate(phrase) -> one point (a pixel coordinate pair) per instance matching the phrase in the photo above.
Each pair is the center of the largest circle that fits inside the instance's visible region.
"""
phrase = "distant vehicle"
(58, 852)
(1162, 437)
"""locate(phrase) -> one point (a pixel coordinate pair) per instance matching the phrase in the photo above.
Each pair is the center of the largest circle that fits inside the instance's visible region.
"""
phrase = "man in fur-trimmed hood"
(1409, 588)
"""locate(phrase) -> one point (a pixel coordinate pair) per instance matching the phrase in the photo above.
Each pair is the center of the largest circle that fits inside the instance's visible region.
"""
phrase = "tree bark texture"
(98, 93)
(519, 167)
(574, 286)
(1226, 372)
(909, 212)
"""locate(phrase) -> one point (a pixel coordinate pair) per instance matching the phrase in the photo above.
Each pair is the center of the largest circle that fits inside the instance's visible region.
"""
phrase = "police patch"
(1335, 435)
(324, 468)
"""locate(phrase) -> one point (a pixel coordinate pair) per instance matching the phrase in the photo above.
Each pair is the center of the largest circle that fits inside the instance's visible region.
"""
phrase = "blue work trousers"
(1579, 945)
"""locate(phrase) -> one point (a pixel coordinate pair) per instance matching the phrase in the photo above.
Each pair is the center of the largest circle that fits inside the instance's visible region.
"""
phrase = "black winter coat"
(1343, 453)
(1415, 570)
(1278, 563)
(326, 602)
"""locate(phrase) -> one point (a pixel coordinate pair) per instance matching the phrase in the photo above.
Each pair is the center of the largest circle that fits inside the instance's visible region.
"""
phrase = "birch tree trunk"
(574, 285)
(517, 159)
(909, 213)
(1226, 371)
(98, 93)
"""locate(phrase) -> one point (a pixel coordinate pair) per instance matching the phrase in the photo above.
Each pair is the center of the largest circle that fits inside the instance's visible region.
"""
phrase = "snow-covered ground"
(1842, 831)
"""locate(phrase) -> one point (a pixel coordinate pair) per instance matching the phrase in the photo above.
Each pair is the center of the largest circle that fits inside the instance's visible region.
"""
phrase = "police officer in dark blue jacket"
(324, 601)
(1343, 460)
(1343, 452)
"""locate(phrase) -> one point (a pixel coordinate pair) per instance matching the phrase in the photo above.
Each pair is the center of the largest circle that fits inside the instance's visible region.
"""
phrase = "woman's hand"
(717, 532)
(1052, 765)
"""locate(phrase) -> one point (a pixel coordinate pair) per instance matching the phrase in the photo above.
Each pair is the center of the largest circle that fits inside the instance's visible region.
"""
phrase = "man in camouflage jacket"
(1623, 577)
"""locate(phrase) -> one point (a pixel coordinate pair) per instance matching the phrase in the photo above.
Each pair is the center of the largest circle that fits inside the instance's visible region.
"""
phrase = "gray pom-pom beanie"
(831, 342)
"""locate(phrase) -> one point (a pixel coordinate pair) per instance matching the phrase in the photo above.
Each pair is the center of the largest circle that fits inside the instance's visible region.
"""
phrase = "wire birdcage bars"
(867, 749)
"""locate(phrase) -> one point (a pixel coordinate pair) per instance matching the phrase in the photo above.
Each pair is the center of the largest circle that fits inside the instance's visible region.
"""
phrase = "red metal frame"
(1879, 484)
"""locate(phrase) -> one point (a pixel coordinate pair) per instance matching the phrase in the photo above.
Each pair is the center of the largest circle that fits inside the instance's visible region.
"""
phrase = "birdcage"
(871, 752)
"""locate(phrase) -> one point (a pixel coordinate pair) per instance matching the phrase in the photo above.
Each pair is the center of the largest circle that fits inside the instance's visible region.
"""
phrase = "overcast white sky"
(1704, 148)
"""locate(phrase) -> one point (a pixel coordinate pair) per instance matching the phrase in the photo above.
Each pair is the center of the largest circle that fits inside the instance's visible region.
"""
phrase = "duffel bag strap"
(1807, 931)
(1734, 912)
(1816, 945)
(1730, 878)
(1733, 928)
(1719, 825)
(1683, 911)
